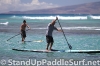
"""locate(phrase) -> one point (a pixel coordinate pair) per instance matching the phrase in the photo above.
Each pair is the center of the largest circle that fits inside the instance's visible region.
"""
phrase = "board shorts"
(49, 39)
(23, 33)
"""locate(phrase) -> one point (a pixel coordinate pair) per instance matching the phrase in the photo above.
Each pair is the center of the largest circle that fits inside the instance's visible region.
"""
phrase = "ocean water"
(82, 32)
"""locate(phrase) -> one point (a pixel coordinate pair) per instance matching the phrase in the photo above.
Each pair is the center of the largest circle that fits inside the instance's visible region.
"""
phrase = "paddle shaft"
(15, 35)
(70, 47)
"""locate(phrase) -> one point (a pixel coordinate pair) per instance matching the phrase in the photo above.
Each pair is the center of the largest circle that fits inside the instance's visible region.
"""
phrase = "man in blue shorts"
(49, 32)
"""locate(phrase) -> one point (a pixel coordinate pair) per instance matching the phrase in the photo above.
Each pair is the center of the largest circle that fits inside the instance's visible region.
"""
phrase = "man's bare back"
(23, 26)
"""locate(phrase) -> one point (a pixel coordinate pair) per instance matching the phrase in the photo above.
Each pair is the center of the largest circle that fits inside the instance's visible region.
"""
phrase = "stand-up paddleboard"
(28, 50)
(68, 51)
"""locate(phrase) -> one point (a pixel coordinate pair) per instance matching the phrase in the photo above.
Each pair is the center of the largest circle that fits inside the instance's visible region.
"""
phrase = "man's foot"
(50, 49)
(23, 41)
(46, 48)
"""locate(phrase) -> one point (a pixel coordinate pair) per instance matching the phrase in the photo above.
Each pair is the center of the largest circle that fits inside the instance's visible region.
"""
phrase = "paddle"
(70, 47)
(15, 36)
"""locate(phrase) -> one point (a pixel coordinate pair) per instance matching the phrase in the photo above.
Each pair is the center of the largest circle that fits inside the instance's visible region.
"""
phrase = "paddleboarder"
(49, 37)
(22, 29)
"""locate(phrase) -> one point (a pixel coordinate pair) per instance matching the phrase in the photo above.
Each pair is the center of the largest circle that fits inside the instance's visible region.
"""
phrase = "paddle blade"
(70, 47)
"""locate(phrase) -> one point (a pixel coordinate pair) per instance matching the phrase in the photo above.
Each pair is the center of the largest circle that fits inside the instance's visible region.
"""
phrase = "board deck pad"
(53, 50)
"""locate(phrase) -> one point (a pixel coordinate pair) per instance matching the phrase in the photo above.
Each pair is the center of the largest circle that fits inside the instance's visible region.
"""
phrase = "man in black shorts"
(23, 28)
(49, 31)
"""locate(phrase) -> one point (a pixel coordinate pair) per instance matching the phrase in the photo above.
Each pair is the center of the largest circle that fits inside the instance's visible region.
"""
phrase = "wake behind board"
(83, 51)
(31, 41)
(68, 51)
(35, 41)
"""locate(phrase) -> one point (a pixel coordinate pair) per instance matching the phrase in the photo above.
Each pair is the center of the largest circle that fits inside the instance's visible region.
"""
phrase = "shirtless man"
(23, 28)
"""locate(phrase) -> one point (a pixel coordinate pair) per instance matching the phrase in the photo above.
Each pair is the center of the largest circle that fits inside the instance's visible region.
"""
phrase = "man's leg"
(24, 35)
(51, 44)
(47, 46)
(48, 42)
(23, 39)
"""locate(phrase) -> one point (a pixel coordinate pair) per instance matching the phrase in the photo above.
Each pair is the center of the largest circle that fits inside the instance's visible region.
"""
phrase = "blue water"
(82, 32)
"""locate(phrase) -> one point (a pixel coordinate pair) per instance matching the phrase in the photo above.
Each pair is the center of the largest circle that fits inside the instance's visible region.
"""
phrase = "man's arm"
(28, 27)
(59, 30)
(21, 27)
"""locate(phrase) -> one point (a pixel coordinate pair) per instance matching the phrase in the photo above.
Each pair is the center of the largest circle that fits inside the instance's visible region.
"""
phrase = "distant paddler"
(23, 30)
(49, 37)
